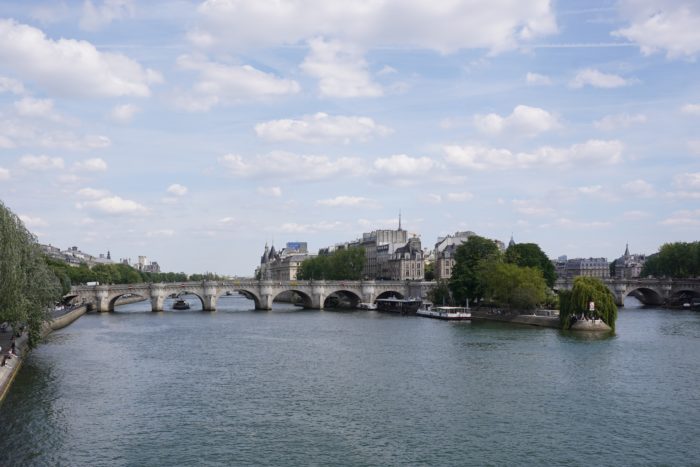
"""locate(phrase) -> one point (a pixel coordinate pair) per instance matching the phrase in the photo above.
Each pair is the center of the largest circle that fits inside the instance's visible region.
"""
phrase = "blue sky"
(195, 132)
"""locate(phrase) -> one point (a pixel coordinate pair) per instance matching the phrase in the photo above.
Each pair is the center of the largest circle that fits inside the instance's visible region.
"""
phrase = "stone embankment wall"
(10, 370)
(502, 316)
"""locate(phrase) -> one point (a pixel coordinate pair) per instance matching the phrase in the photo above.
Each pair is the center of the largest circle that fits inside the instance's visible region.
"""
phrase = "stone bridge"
(313, 294)
(647, 291)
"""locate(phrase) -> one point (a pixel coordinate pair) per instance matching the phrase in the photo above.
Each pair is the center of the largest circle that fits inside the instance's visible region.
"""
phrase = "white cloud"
(688, 181)
(30, 107)
(691, 109)
(123, 113)
(347, 201)
(114, 205)
(290, 166)
(11, 85)
(401, 165)
(459, 197)
(672, 26)
(532, 208)
(683, 218)
(4, 174)
(71, 67)
(161, 233)
(340, 69)
(617, 121)
(321, 128)
(323, 226)
(536, 79)
(486, 158)
(635, 215)
(96, 17)
(177, 189)
(33, 222)
(639, 188)
(273, 191)
(30, 162)
(693, 146)
(228, 84)
(92, 193)
(91, 165)
(567, 223)
(524, 120)
(68, 140)
(496, 25)
(597, 79)
(430, 198)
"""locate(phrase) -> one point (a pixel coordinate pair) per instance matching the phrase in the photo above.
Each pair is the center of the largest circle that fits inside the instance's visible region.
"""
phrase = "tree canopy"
(530, 255)
(27, 286)
(677, 259)
(507, 284)
(576, 302)
(465, 282)
(344, 264)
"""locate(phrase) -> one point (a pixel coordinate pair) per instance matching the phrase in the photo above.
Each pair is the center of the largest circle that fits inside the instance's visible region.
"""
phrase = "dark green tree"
(676, 260)
(440, 294)
(28, 287)
(429, 274)
(346, 264)
(465, 282)
(531, 255)
(577, 302)
(512, 286)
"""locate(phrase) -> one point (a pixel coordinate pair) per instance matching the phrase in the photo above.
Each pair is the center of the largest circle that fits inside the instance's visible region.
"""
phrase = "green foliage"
(340, 265)
(576, 302)
(678, 259)
(28, 286)
(507, 284)
(465, 282)
(429, 272)
(440, 294)
(530, 255)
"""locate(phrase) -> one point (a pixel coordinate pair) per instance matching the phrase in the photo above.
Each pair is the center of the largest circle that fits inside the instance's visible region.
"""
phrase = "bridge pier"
(157, 297)
(102, 298)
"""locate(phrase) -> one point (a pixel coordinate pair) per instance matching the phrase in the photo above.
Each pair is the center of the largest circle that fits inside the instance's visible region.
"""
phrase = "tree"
(429, 272)
(465, 283)
(577, 302)
(678, 259)
(28, 287)
(530, 255)
(440, 294)
(507, 284)
(344, 264)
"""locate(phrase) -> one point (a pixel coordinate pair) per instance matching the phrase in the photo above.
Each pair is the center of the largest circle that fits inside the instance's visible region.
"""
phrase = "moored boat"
(181, 304)
(455, 313)
(366, 306)
(404, 306)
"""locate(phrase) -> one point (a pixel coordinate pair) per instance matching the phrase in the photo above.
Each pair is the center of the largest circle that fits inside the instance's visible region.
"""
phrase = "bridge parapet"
(103, 297)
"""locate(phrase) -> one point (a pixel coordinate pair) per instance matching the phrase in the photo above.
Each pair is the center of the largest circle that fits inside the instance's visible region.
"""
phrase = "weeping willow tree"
(577, 302)
(27, 286)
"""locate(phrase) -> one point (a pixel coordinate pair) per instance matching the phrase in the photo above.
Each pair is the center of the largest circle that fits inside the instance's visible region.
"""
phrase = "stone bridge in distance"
(313, 294)
(648, 291)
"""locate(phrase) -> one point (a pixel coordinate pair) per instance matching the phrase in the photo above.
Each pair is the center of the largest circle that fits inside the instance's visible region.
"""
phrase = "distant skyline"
(195, 132)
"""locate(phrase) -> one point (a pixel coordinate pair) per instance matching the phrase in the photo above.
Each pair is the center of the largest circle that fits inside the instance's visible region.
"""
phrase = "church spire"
(627, 249)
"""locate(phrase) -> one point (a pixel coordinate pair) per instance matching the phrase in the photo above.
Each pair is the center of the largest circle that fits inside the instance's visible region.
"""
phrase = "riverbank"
(12, 366)
(531, 320)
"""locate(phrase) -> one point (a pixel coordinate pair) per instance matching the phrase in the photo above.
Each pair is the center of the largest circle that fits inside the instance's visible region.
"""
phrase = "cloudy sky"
(195, 132)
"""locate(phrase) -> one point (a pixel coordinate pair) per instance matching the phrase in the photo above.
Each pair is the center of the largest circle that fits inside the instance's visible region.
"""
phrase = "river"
(295, 388)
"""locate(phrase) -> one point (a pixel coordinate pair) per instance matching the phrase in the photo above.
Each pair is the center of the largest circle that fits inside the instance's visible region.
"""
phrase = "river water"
(296, 388)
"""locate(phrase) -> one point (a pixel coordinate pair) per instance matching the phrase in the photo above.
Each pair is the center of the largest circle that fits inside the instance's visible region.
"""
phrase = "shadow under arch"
(645, 295)
(113, 301)
(295, 297)
(342, 298)
(390, 294)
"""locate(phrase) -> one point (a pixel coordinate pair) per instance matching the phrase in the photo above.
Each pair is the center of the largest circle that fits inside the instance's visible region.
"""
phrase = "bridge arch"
(342, 298)
(646, 295)
(113, 299)
(239, 291)
(390, 294)
(683, 296)
(297, 297)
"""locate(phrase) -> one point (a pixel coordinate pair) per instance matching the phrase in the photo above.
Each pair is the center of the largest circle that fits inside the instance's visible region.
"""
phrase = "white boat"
(455, 313)
(366, 306)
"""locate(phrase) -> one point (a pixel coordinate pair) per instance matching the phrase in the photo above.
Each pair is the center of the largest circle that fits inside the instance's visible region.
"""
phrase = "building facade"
(590, 267)
(629, 266)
